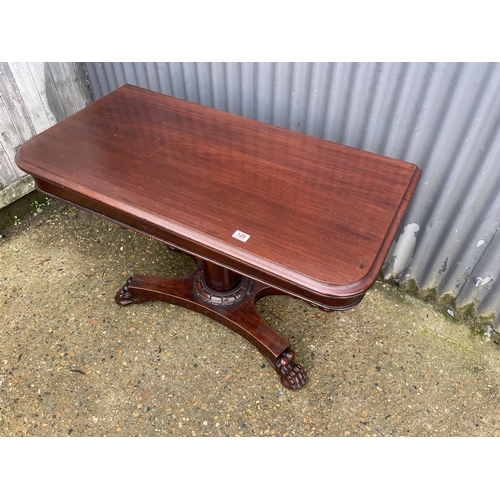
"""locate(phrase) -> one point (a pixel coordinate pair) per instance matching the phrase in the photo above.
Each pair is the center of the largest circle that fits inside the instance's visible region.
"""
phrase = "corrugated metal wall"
(444, 117)
(33, 96)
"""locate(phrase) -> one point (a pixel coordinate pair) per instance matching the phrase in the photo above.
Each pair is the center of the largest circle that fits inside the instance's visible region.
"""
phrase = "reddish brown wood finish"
(321, 216)
(220, 279)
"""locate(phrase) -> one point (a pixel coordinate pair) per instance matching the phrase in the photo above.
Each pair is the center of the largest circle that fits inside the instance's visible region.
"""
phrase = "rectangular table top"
(302, 213)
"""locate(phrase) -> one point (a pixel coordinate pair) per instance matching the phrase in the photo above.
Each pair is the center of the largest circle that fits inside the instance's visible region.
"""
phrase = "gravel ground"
(73, 363)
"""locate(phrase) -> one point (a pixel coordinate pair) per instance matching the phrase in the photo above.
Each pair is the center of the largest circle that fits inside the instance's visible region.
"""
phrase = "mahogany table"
(263, 210)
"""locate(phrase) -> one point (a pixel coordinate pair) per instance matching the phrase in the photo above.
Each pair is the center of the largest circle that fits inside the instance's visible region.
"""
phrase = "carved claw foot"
(124, 298)
(292, 374)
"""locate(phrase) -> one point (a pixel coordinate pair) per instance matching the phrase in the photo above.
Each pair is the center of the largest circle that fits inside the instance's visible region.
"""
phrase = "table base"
(228, 298)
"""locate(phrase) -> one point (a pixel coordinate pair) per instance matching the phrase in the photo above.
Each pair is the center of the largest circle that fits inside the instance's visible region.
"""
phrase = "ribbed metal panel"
(442, 116)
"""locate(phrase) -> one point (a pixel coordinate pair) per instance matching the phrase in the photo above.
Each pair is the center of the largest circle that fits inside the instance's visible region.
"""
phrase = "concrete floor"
(73, 363)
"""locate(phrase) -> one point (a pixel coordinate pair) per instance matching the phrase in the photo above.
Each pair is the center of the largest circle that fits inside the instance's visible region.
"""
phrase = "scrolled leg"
(234, 308)
(292, 374)
(124, 298)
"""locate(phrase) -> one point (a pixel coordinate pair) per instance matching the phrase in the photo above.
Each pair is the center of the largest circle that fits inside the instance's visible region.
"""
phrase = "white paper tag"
(240, 235)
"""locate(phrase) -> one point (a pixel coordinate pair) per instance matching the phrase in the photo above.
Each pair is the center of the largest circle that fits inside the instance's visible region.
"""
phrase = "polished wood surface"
(321, 216)
(263, 210)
